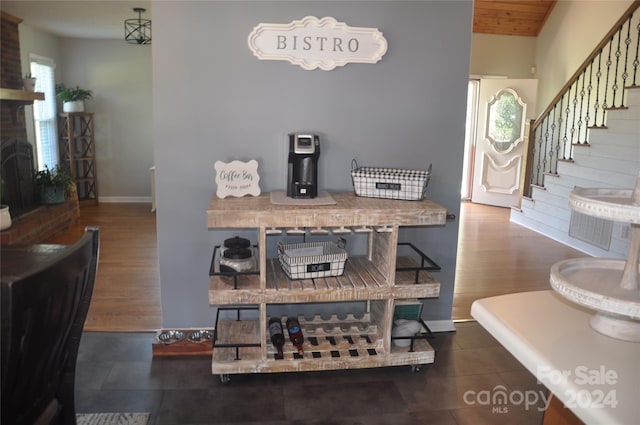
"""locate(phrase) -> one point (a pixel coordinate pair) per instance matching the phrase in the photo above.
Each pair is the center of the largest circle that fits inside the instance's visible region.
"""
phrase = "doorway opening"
(496, 140)
(469, 139)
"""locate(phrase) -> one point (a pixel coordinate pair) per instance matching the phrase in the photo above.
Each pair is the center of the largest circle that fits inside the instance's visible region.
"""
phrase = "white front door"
(505, 107)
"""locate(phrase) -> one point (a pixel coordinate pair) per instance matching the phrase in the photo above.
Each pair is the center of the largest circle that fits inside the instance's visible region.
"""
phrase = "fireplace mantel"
(18, 98)
(21, 96)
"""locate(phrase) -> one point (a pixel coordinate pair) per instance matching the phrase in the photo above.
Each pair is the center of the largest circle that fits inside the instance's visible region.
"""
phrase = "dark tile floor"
(117, 373)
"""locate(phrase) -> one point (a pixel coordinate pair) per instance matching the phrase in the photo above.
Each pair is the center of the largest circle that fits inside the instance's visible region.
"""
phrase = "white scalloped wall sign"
(237, 178)
(317, 43)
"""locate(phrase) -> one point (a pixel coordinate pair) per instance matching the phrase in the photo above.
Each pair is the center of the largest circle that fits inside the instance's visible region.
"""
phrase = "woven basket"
(390, 183)
(329, 262)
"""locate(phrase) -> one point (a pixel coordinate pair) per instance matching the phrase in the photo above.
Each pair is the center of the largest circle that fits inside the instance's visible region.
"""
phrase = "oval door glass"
(505, 120)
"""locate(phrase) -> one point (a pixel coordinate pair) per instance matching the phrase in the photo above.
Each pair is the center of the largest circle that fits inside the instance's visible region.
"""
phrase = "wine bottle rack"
(334, 338)
(351, 342)
(390, 270)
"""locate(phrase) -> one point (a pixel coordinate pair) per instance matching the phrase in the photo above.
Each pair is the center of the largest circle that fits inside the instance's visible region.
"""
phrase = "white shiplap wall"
(611, 160)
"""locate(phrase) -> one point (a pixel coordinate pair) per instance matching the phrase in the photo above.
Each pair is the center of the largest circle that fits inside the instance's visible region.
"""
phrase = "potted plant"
(28, 82)
(72, 97)
(53, 186)
(5, 215)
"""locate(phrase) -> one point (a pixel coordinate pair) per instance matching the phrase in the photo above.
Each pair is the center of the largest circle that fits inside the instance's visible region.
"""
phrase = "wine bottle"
(295, 333)
(277, 335)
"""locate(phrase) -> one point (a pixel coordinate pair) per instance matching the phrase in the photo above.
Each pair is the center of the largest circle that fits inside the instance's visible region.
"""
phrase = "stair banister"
(544, 154)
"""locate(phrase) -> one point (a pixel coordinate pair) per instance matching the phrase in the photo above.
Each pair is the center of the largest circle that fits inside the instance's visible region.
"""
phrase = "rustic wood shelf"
(378, 278)
(237, 333)
(349, 211)
(361, 281)
(22, 96)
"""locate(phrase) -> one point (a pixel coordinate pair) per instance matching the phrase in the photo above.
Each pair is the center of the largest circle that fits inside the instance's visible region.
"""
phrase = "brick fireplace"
(33, 225)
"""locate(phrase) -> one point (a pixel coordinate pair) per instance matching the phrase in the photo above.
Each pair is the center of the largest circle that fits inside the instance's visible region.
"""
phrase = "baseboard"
(441, 325)
(125, 199)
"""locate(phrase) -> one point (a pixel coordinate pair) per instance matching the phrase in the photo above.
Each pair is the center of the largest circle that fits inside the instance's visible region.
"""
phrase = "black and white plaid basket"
(390, 183)
(329, 263)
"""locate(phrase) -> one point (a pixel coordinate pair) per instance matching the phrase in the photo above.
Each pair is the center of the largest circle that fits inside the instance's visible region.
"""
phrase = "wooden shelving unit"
(78, 152)
(377, 279)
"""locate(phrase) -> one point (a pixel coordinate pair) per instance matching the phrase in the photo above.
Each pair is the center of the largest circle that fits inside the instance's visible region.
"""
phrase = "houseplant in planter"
(29, 82)
(72, 97)
(53, 186)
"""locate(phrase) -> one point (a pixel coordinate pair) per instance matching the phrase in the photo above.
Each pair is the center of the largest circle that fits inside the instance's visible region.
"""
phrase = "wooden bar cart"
(378, 279)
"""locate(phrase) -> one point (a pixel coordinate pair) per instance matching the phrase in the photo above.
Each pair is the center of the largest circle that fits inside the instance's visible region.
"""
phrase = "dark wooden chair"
(43, 313)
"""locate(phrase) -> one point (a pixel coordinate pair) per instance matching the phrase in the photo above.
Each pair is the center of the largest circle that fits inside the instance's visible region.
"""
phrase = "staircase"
(611, 158)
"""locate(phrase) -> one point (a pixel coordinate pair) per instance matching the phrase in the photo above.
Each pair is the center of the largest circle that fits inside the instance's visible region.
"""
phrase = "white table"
(596, 376)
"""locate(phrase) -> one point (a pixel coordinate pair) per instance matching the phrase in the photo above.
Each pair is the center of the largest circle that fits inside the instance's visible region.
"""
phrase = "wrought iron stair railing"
(582, 104)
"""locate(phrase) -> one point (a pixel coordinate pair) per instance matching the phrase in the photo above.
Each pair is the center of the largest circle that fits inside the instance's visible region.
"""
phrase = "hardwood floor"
(498, 257)
(126, 295)
(495, 257)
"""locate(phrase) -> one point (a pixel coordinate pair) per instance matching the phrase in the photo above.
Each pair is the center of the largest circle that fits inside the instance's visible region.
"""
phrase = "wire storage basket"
(312, 259)
(390, 183)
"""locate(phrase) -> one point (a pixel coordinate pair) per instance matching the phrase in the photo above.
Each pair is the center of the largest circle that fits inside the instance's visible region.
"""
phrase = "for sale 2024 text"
(588, 387)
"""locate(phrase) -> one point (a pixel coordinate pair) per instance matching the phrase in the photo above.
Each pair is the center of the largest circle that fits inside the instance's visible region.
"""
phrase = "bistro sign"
(317, 43)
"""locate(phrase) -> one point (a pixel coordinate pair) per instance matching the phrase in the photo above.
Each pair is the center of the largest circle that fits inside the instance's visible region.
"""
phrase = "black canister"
(237, 242)
(237, 256)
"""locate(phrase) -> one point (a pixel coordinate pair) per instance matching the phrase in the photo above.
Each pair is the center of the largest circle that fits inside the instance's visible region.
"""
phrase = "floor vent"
(593, 230)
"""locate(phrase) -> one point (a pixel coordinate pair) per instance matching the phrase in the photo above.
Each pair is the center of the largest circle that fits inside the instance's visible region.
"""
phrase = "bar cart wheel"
(225, 378)
(416, 368)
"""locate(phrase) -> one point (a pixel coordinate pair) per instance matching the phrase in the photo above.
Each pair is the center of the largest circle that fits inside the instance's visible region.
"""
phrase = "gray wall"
(213, 100)
(119, 74)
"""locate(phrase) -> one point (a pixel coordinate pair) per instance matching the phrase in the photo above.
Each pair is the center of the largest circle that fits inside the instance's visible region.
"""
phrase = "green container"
(50, 195)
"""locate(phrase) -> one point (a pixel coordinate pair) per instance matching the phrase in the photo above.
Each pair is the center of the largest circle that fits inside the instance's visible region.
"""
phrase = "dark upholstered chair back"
(43, 313)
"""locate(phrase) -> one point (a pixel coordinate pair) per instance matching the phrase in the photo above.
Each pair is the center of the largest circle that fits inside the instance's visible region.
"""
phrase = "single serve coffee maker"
(302, 179)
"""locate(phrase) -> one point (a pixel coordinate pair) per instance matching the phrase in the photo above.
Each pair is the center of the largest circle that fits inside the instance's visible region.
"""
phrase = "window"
(44, 111)
(505, 120)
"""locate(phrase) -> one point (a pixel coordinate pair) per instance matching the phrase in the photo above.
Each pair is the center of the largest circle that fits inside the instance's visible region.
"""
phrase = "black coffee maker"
(304, 151)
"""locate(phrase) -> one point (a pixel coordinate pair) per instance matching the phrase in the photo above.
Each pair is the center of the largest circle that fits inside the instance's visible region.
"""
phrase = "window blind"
(44, 112)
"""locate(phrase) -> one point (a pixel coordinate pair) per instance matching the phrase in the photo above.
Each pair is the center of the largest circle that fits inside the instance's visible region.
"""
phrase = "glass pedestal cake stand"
(608, 286)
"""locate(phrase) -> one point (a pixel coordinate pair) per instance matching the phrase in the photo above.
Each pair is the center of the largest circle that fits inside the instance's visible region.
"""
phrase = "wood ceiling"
(511, 17)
